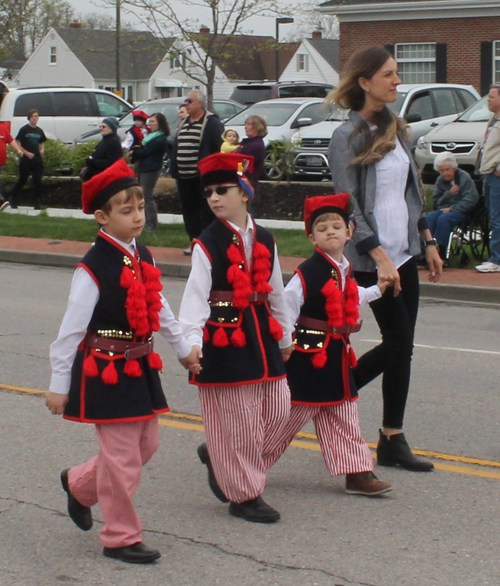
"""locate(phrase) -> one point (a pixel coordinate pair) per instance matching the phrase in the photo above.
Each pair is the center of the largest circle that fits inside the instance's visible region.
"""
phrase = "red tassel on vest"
(275, 329)
(90, 368)
(220, 338)
(238, 338)
(109, 374)
(132, 368)
(155, 361)
(319, 359)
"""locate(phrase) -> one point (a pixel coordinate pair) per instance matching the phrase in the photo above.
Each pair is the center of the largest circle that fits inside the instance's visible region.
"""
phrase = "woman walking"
(150, 157)
(370, 158)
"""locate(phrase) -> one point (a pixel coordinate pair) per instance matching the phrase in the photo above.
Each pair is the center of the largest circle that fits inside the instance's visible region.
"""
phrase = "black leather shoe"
(212, 481)
(393, 450)
(79, 514)
(255, 511)
(137, 553)
(13, 203)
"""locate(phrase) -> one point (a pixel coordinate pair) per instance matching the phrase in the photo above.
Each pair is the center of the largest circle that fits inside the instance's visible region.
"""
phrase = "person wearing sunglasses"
(199, 135)
(234, 308)
(108, 151)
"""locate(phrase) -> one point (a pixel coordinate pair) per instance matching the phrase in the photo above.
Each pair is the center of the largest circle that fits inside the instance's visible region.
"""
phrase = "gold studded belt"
(131, 350)
(227, 296)
(322, 326)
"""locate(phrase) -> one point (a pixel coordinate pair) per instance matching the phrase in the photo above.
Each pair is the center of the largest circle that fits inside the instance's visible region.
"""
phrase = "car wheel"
(273, 167)
(165, 168)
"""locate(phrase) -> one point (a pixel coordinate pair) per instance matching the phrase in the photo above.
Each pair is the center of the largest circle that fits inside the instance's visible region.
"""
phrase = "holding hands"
(192, 361)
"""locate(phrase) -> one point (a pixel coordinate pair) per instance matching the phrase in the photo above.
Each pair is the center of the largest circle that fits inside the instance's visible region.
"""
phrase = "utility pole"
(118, 90)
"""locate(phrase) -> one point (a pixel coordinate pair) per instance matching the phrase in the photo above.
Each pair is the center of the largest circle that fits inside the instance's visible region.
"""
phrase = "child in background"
(136, 133)
(231, 141)
(323, 300)
(104, 370)
(234, 306)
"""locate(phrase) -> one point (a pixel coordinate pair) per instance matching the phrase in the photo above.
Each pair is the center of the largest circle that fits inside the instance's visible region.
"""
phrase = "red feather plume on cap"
(315, 206)
(98, 190)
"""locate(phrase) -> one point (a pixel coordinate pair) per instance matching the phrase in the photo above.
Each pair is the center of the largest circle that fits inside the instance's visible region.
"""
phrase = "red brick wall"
(463, 37)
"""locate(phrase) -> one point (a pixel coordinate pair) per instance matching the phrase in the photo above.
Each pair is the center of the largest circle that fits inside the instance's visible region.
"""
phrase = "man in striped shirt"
(199, 135)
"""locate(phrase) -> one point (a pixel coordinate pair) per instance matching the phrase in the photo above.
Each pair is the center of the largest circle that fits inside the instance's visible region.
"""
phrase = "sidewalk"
(456, 284)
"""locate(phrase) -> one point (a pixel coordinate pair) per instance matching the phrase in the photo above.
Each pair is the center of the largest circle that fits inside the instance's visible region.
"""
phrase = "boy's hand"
(286, 353)
(192, 361)
(56, 402)
(382, 285)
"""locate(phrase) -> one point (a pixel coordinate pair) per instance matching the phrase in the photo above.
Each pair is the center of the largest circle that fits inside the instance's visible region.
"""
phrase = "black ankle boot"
(394, 450)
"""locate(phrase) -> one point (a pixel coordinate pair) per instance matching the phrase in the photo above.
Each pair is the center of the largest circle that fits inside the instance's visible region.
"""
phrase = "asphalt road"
(435, 529)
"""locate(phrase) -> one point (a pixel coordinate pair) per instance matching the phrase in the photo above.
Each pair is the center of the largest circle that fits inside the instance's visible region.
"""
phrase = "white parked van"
(64, 112)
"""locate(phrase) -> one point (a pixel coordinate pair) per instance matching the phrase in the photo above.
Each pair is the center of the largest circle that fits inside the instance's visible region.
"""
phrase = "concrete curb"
(465, 293)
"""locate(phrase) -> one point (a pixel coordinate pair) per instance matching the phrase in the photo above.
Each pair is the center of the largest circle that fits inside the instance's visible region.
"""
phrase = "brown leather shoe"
(366, 484)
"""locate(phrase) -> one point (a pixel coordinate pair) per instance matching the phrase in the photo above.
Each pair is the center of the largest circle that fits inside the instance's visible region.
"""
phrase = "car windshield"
(170, 111)
(396, 106)
(274, 114)
(478, 112)
(338, 115)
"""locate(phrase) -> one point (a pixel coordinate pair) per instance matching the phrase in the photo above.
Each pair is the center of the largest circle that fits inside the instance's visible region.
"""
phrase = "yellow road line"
(183, 421)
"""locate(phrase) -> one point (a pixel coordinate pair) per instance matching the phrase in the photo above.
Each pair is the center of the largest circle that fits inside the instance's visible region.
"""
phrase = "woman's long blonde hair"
(350, 96)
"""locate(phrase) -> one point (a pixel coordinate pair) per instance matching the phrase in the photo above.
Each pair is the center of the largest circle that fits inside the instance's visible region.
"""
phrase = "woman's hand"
(387, 271)
(434, 262)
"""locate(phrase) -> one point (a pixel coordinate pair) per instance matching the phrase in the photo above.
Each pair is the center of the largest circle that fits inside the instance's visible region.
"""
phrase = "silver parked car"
(423, 106)
(463, 138)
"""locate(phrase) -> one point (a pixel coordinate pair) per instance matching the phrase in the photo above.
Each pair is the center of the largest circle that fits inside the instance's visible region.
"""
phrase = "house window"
(496, 62)
(53, 55)
(302, 62)
(416, 62)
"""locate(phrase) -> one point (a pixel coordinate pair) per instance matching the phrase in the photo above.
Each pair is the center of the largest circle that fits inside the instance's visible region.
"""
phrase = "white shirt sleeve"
(278, 304)
(195, 309)
(83, 298)
(294, 298)
(369, 294)
(171, 330)
(127, 143)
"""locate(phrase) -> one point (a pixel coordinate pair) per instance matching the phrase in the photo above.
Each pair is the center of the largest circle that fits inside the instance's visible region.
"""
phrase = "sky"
(257, 25)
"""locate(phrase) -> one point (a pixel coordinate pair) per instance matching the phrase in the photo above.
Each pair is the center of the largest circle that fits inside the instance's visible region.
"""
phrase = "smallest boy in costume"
(323, 300)
(136, 133)
(234, 306)
(104, 368)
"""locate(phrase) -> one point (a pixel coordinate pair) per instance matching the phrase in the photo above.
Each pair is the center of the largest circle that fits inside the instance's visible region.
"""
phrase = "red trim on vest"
(90, 273)
(237, 384)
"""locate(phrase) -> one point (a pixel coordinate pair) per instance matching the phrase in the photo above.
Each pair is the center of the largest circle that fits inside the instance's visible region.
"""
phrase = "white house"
(315, 60)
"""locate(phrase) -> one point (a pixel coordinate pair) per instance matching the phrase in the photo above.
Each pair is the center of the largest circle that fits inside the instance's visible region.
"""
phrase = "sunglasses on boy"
(220, 190)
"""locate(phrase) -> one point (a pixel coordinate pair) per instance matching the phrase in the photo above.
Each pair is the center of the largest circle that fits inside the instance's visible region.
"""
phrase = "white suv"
(422, 106)
(64, 112)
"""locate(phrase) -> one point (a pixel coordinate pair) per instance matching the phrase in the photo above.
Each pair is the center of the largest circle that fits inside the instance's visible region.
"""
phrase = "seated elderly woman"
(454, 197)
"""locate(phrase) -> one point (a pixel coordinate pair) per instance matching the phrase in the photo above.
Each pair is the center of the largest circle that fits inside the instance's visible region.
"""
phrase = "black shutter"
(486, 66)
(390, 48)
(441, 63)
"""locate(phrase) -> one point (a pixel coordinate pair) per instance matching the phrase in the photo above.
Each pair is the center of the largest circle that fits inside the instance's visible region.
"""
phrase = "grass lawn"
(290, 242)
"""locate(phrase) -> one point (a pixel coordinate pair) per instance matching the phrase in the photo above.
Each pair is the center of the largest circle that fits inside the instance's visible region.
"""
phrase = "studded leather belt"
(227, 296)
(131, 350)
(322, 326)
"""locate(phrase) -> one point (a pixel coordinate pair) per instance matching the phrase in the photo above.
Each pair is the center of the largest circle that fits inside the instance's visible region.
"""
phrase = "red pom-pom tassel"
(109, 374)
(238, 338)
(220, 338)
(90, 368)
(353, 361)
(275, 329)
(132, 368)
(319, 359)
(234, 255)
(206, 335)
(155, 361)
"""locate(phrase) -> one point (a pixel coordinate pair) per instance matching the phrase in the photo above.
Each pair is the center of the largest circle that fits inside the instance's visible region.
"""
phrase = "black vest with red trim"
(130, 398)
(137, 136)
(240, 345)
(316, 378)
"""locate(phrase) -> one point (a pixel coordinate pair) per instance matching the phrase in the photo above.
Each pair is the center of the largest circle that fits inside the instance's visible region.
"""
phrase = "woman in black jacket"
(108, 151)
(150, 157)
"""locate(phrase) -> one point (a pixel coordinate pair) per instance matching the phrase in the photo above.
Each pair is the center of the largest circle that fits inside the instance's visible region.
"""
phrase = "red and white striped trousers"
(242, 424)
(339, 434)
(112, 477)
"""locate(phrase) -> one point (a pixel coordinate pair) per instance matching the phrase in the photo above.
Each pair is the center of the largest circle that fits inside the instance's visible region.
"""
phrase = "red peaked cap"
(224, 168)
(325, 204)
(98, 190)
(140, 114)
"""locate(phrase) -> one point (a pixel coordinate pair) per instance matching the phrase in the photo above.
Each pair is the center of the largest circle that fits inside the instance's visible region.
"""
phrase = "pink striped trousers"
(112, 477)
(242, 424)
(339, 434)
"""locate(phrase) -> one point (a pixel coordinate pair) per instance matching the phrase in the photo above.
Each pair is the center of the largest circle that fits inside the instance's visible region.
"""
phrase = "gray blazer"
(360, 182)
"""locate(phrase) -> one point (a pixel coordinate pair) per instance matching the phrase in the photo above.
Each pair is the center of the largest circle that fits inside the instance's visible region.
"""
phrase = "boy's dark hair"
(31, 112)
(130, 192)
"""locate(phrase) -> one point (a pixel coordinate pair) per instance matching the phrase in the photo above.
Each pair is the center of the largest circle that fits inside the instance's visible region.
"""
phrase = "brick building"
(454, 41)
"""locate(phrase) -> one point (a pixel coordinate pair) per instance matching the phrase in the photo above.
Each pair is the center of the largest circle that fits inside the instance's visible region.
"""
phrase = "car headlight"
(422, 143)
(295, 138)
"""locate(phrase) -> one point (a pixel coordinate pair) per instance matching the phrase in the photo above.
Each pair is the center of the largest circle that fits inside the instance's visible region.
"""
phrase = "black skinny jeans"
(27, 167)
(396, 317)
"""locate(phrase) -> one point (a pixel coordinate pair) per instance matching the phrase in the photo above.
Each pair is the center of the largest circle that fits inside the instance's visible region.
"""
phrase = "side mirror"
(413, 118)
(303, 122)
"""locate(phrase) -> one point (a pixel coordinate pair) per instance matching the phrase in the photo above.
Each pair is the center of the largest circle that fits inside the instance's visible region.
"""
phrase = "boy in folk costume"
(234, 306)
(136, 133)
(104, 369)
(323, 300)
